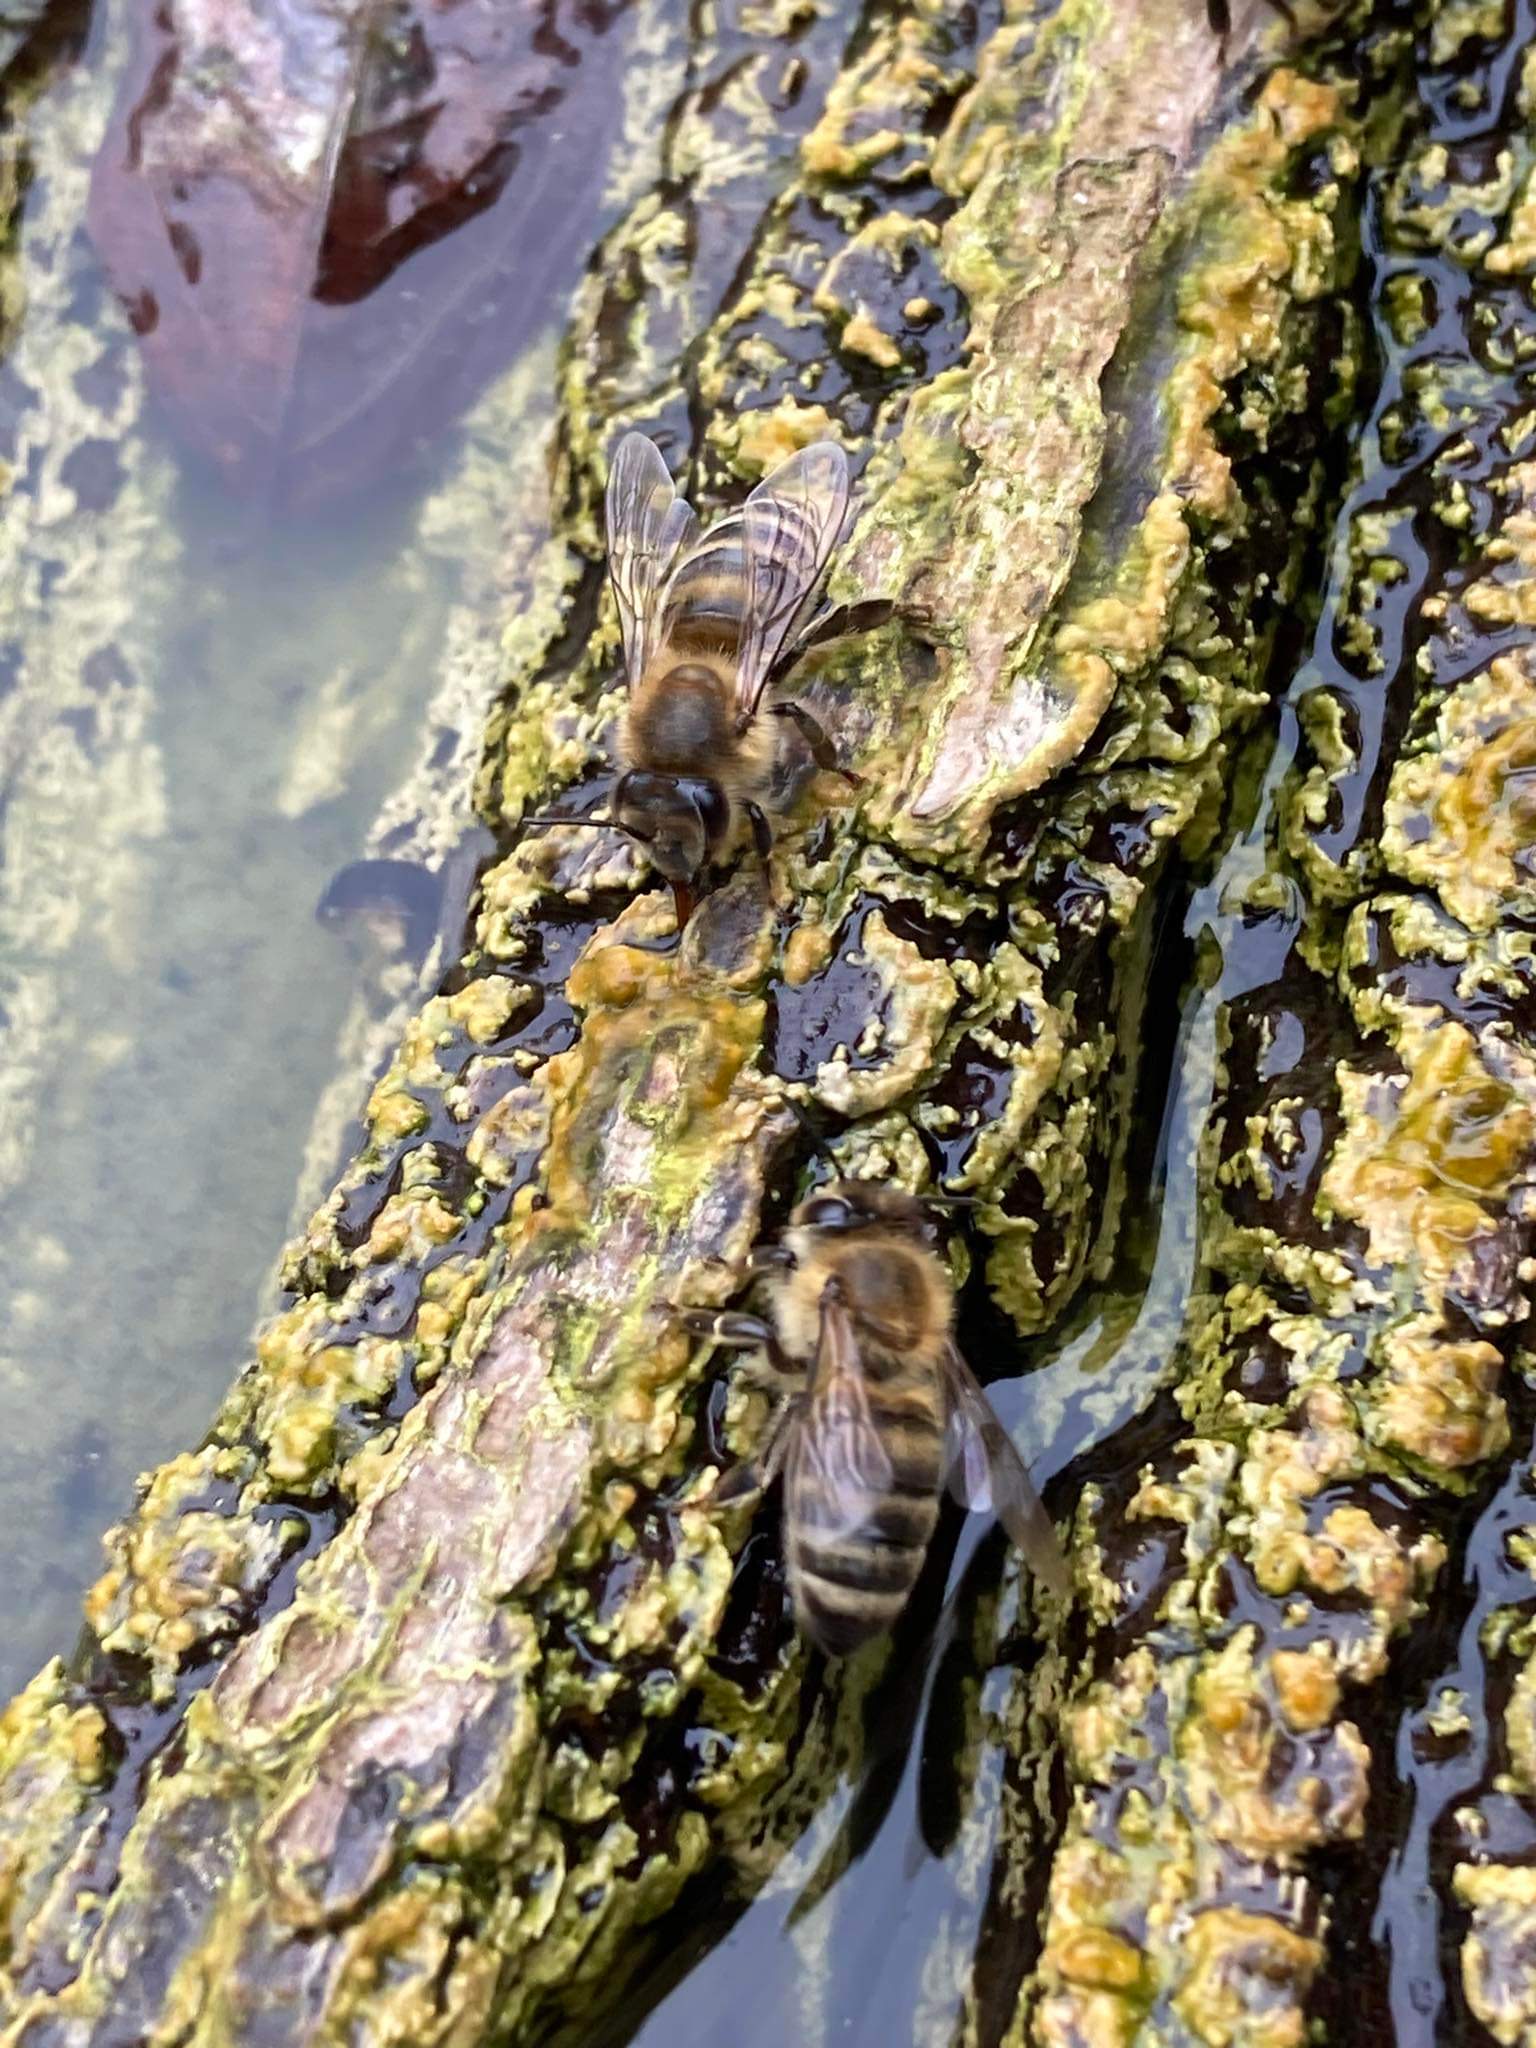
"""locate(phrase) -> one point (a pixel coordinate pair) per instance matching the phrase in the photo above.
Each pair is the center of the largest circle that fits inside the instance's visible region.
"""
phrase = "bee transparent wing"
(790, 525)
(838, 1448)
(987, 1472)
(650, 529)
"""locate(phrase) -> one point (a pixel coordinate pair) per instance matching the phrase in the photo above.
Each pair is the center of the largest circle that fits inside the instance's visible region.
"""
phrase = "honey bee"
(707, 623)
(878, 1409)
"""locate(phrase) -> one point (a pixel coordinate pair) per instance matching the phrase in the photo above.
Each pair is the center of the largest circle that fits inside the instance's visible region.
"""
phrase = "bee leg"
(759, 1473)
(735, 1331)
(732, 1329)
(810, 729)
(768, 1258)
(762, 831)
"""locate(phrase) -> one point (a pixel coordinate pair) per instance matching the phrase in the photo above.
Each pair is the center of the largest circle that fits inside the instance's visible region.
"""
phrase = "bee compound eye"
(827, 1212)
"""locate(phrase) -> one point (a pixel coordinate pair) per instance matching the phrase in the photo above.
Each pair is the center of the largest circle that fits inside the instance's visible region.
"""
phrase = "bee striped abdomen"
(853, 1563)
(706, 603)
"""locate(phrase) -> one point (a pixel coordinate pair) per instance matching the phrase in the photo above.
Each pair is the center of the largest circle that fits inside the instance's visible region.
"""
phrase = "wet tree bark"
(411, 1701)
(1300, 1754)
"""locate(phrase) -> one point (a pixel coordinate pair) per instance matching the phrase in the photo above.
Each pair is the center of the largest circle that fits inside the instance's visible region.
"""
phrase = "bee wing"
(987, 1472)
(790, 525)
(838, 1447)
(650, 528)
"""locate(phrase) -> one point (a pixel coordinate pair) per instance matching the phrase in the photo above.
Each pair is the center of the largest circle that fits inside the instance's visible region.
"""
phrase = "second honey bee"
(706, 624)
(879, 1409)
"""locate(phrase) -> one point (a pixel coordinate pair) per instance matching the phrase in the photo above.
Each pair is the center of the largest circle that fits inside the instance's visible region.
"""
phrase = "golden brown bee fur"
(878, 1408)
(705, 621)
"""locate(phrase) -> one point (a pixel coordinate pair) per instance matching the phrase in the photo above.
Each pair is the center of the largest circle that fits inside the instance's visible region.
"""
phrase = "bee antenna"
(585, 825)
(948, 1202)
(818, 1143)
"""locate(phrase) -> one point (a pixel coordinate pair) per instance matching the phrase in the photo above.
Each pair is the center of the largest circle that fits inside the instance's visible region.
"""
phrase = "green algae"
(523, 1556)
(1351, 1364)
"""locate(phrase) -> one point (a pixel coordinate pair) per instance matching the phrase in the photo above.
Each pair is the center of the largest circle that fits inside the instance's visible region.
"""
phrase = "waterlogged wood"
(411, 1701)
(1301, 1755)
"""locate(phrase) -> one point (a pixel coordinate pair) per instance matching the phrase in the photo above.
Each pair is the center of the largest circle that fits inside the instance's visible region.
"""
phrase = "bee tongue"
(685, 899)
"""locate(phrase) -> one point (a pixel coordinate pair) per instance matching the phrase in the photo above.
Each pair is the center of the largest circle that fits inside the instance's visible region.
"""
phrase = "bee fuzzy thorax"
(707, 622)
(680, 715)
(897, 1294)
(863, 1315)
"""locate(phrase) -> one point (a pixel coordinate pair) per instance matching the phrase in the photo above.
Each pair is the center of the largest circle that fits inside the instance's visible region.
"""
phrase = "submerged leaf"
(275, 199)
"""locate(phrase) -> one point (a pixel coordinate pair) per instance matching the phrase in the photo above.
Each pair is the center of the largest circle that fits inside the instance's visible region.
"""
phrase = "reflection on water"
(207, 708)
(328, 224)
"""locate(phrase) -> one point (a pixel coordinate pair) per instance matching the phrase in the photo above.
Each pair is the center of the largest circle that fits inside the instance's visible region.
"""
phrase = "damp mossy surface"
(424, 1688)
(1337, 1493)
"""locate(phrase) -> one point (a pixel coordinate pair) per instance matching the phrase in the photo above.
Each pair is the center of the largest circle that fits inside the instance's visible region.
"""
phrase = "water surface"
(221, 684)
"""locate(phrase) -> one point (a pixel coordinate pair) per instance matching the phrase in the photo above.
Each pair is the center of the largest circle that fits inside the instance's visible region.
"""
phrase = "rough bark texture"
(412, 1699)
(1284, 1807)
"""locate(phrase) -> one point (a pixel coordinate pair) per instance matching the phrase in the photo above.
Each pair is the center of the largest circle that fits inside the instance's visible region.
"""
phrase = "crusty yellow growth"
(1520, 1728)
(1437, 1399)
(179, 1573)
(760, 441)
(481, 1011)
(52, 1759)
(1422, 1159)
(1461, 819)
(1245, 1781)
(1274, 252)
(1498, 1956)
(897, 73)
(1234, 1745)
(1425, 1166)
(1247, 1980)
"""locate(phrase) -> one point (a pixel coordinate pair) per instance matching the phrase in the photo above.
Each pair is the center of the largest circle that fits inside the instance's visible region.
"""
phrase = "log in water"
(426, 1701)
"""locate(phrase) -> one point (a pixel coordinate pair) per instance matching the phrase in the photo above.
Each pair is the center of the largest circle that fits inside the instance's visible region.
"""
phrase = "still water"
(228, 672)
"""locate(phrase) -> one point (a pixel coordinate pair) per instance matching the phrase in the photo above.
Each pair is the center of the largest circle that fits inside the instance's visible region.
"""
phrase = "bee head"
(681, 820)
(842, 1206)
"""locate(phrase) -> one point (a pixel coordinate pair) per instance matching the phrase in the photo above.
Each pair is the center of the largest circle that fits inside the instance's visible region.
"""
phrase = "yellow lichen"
(1421, 1158)
(1306, 1687)
(759, 441)
(179, 1571)
(1498, 1955)
(895, 71)
(1236, 305)
(865, 337)
(1247, 1979)
(1100, 1960)
(1229, 1752)
(1520, 1728)
(1437, 1398)
(912, 1002)
(1462, 819)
